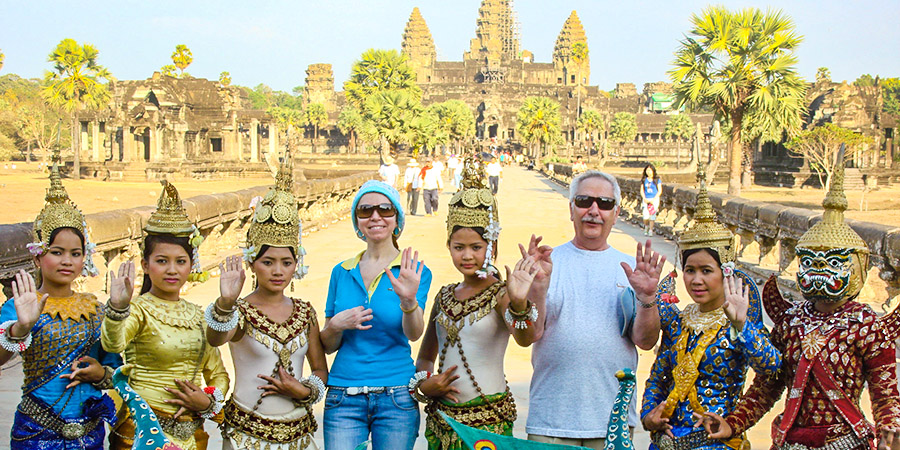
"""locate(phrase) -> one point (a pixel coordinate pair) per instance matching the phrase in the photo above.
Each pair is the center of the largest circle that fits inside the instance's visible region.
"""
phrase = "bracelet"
(414, 384)
(316, 390)
(217, 322)
(646, 305)
(407, 311)
(117, 315)
(11, 343)
(521, 320)
(106, 382)
(221, 310)
(216, 400)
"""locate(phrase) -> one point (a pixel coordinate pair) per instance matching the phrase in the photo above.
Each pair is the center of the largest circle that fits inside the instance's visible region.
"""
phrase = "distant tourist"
(375, 306)
(413, 183)
(454, 167)
(494, 172)
(573, 387)
(651, 191)
(432, 185)
(389, 172)
(579, 167)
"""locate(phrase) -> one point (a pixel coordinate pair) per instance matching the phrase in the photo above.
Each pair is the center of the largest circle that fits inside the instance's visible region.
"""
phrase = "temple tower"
(418, 46)
(571, 58)
(496, 34)
(320, 86)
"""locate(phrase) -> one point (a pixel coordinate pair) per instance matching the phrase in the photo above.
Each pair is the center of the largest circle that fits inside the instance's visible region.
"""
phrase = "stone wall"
(222, 219)
(768, 234)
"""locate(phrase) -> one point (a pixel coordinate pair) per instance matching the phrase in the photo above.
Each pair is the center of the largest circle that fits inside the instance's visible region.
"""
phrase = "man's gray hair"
(576, 183)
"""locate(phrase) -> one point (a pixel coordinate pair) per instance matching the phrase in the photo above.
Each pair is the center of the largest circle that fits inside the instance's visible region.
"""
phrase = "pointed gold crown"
(169, 217)
(59, 211)
(707, 232)
(473, 205)
(832, 232)
(276, 222)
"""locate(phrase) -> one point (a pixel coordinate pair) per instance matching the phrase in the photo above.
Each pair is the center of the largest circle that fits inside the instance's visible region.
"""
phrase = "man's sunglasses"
(384, 210)
(603, 203)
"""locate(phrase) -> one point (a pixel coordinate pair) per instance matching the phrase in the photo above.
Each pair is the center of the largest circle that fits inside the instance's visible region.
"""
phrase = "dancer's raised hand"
(29, 303)
(406, 284)
(231, 281)
(541, 254)
(518, 280)
(737, 301)
(645, 275)
(121, 286)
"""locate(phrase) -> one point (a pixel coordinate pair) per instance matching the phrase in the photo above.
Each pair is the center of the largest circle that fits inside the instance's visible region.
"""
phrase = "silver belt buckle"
(72, 430)
(353, 390)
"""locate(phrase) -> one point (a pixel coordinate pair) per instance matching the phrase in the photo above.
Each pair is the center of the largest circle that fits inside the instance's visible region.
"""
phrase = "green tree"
(391, 114)
(225, 79)
(820, 146)
(287, 119)
(350, 122)
(315, 116)
(26, 118)
(623, 128)
(455, 120)
(168, 70)
(890, 88)
(378, 71)
(182, 57)
(2, 58)
(864, 80)
(427, 132)
(679, 126)
(822, 73)
(740, 64)
(75, 84)
(590, 123)
(537, 122)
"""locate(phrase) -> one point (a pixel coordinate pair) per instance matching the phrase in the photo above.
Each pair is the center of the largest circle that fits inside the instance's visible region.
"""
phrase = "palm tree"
(455, 119)
(590, 122)
(182, 57)
(391, 114)
(74, 85)
(741, 64)
(427, 131)
(537, 122)
(350, 123)
(315, 117)
(225, 79)
(378, 71)
(622, 129)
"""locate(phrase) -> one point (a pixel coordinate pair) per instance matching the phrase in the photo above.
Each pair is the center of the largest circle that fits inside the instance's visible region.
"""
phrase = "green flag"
(484, 440)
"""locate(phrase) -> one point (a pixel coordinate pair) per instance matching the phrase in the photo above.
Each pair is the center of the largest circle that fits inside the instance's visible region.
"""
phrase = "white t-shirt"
(411, 177)
(389, 173)
(493, 169)
(439, 166)
(432, 179)
(574, 384)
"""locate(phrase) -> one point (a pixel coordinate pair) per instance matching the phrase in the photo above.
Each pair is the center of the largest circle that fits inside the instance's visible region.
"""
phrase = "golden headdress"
(474, 205)
(171, 218)
(707, 232)
(833, 257)
(276, 221)
(60, 212)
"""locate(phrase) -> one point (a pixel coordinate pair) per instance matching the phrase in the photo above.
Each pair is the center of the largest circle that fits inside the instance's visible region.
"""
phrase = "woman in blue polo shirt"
(375, 307)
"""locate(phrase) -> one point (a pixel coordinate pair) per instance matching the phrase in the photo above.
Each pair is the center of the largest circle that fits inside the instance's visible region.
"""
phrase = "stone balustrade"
(221, 218)
(768, 233)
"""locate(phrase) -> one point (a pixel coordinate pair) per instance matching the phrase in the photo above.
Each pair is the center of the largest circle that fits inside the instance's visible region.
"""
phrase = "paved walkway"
(529, 203)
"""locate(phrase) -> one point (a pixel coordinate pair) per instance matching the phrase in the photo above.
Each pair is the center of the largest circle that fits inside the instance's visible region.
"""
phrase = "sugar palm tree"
(455, 119)
(377, 71)
(538, 122)
(75, 85)
(741, 64)
(391, 114)
(182, 58)
(589, 123)
(350, 122)
(315, 116)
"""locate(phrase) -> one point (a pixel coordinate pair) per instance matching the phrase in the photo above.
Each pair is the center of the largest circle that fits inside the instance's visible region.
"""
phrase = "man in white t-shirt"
(494, 170)
(584, 337)
(413, 180)
(453, 166)
(389, 172)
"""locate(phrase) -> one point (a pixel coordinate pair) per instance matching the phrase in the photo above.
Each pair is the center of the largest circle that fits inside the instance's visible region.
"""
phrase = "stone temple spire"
(570, 55)
(496, 34)
(418, 46)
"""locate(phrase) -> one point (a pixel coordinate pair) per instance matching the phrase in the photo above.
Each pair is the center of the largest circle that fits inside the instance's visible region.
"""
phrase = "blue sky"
(272, 42)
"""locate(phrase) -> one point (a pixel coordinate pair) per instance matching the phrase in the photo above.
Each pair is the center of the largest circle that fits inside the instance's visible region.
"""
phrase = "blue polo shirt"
(381, 355)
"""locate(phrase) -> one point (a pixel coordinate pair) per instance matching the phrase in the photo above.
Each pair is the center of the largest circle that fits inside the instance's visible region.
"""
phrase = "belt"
(686, 442)
(846, 442)
(361, 390)
(47, 418)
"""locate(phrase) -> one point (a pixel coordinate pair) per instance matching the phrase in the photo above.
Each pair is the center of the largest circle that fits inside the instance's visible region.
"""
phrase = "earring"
(397, 232)
(106, 283)
(253, 281)
(361, 235)
(292, 285)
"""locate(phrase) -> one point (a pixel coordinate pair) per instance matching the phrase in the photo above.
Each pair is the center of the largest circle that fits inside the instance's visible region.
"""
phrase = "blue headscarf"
(383, 189)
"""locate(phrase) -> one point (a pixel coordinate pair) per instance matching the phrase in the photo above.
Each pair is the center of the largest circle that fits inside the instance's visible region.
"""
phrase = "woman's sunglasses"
(384, 210)
(603, 203)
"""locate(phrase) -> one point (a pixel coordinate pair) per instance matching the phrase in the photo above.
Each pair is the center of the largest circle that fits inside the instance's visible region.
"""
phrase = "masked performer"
(267, 330)
(832, 345)
(168, 360)
(56, 331)
(706, 348)
(467, 324)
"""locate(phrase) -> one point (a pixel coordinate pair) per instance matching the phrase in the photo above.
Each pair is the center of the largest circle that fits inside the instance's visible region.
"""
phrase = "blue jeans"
(392, 418)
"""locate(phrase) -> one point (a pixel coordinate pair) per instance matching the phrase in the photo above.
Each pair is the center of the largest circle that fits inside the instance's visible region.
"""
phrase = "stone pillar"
(154, 139)
(96, 144)
(254, 140)
(273, 139)
(83, 129)
(128, 150)
(179, 145)
(239, 152)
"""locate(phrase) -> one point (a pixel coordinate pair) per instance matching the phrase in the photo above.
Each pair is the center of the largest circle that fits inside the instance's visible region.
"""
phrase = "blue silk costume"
(67, 329)
(721, 371)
